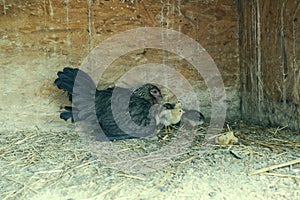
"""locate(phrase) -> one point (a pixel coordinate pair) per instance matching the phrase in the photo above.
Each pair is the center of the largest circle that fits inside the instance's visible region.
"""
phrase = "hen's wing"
(121, 115)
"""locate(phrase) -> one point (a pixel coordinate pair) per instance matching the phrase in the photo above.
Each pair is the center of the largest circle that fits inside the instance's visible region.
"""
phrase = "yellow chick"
(168, 117)
(168, 105)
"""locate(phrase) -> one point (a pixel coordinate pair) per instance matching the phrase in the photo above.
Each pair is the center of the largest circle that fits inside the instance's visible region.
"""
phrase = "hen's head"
(149, 92)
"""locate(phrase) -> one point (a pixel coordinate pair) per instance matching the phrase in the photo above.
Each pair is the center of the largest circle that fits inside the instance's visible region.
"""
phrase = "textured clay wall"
(269, 61)
(38, 38)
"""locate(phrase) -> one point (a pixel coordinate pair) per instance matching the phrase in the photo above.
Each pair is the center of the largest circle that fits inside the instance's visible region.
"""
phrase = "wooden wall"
(269, 57)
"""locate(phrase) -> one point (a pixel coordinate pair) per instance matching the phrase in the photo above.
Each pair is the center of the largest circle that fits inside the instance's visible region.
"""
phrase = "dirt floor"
(59, 165)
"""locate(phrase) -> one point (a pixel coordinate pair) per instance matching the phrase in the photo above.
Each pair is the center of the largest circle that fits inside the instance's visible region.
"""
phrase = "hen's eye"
(154, 91)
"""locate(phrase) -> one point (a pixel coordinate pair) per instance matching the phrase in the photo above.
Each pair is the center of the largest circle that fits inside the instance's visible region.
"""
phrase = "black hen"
(121, 113)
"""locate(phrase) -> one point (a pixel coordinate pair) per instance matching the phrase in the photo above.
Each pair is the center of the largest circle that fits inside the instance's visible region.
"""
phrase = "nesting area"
(39, 165)
(227, 119)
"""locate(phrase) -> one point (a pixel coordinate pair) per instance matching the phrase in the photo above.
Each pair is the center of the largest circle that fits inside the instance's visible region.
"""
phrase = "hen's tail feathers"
(81, 92)
(66, 81)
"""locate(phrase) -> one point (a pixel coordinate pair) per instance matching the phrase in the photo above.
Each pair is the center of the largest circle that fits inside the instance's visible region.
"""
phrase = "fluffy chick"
(168, 117)
(192, 119)
(168, 105)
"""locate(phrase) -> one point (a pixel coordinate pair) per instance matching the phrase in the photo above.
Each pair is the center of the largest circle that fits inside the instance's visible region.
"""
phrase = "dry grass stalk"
(274, 167)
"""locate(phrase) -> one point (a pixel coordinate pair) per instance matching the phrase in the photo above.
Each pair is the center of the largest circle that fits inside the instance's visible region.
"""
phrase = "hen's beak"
(158, 96)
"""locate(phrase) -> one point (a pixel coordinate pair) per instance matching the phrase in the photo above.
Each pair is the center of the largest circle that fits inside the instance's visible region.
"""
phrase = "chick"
(177, 104)
(227, 138)
(168, 117)
(192, 119)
